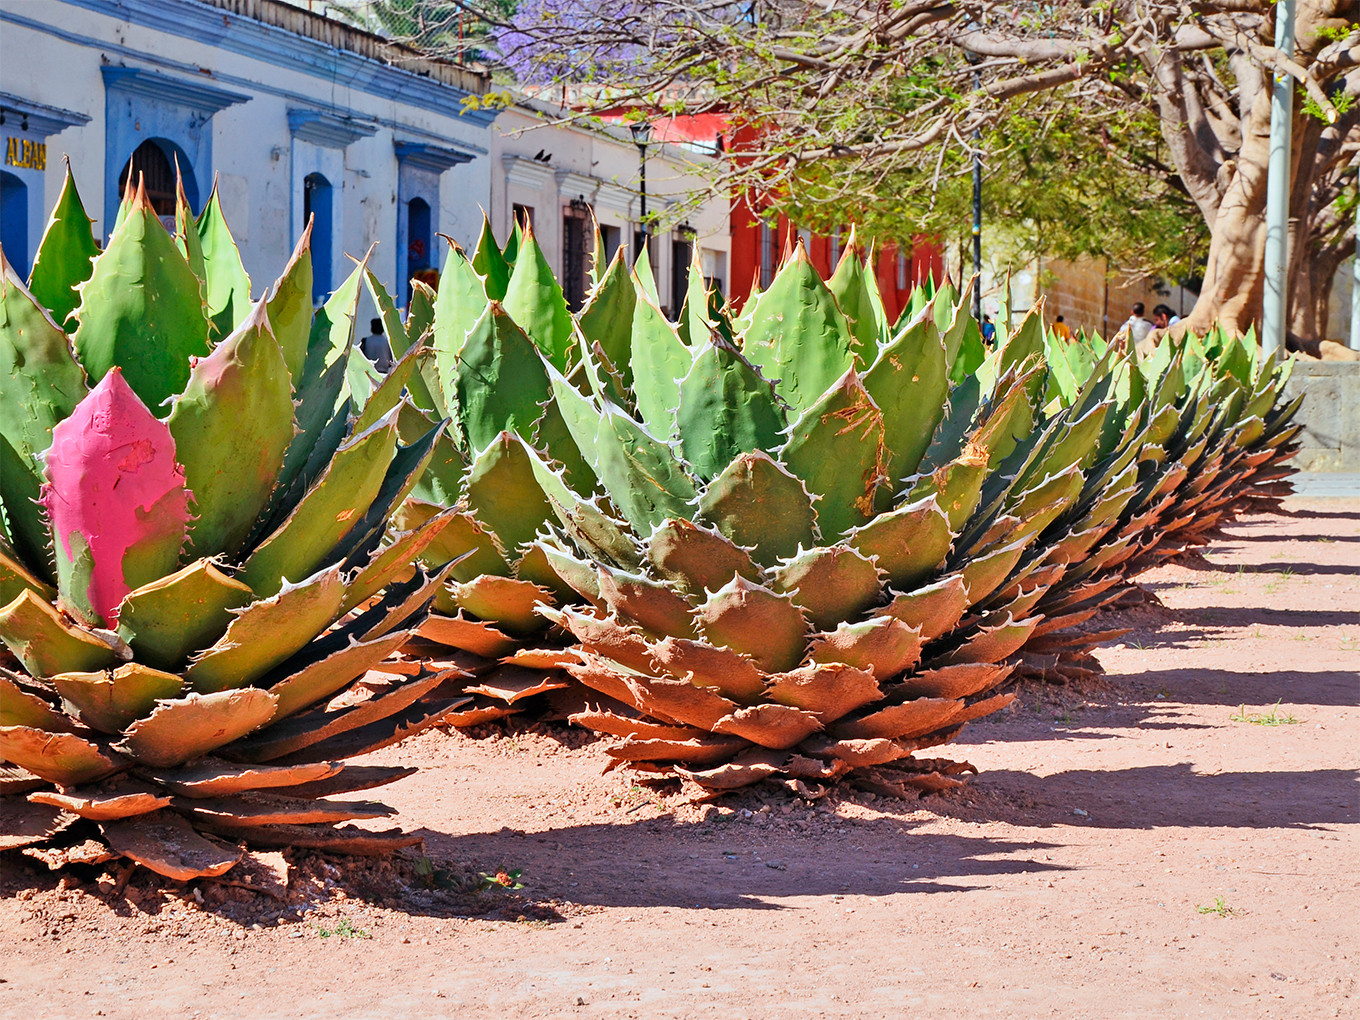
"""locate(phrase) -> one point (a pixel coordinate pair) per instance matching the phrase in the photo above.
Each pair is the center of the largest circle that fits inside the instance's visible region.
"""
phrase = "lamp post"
(642, 134)
(1273, 304)
(974, 59)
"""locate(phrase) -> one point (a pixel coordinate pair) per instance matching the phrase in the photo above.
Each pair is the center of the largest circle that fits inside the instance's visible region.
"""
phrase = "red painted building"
(758, 247)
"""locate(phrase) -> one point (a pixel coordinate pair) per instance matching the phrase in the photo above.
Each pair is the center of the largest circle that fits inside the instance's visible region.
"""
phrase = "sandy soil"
(1133, 848)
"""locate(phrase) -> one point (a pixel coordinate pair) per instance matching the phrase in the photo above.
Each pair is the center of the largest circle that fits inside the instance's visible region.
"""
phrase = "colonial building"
(290, 114)
(566, 177)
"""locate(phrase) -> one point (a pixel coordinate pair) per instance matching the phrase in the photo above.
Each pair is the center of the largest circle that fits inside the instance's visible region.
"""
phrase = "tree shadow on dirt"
(1160, 796)
(741, 863)
(1273, 567)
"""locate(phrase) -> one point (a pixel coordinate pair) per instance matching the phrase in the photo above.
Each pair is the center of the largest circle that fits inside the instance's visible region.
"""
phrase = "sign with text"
(25, 153)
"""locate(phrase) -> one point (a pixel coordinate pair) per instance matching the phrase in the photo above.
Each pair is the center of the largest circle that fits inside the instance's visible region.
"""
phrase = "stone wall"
(1330, 413)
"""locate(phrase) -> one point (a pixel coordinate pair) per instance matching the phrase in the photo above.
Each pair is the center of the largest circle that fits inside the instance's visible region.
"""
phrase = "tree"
(850, 95)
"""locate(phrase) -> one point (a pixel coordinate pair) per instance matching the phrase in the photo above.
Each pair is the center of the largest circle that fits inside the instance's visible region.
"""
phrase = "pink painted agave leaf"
(115, 498)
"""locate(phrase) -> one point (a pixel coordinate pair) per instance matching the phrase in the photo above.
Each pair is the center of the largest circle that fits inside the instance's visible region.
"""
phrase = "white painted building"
(561, 175)
(291, 113)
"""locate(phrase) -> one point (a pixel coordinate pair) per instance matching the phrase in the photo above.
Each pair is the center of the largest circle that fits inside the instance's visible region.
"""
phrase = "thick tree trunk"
(1234, 276)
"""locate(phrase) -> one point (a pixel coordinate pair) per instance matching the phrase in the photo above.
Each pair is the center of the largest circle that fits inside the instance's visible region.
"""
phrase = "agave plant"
(193, 596)
(1207, 436)
(801, 578)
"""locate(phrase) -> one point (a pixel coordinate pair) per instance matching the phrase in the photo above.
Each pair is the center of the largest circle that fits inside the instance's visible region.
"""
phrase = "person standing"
(1163, 317)
(1061, 330)
(376, 348)
(1138, 326)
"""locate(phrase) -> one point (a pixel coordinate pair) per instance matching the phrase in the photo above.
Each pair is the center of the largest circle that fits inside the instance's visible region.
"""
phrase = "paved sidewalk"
(1327, 484)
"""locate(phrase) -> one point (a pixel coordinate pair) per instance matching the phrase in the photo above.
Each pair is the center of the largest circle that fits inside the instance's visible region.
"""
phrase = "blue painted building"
(292, 115)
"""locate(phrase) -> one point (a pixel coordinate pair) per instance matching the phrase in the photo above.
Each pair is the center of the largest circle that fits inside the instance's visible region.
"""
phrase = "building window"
(14, 222)
(574, 252)
(151, 167)
(835, 248)
(317, 209)
(682, 254)
(766, 254)
(611, 238)
(419, 242)
(901, 271)
(522, 216)
(805, 235)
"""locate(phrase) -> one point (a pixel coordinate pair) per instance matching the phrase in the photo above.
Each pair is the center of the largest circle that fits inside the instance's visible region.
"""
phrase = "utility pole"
(1275, 304)
(1355, 280)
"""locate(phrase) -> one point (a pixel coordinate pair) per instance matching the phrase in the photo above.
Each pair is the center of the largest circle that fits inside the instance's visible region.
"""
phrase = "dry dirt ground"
(1149, 846)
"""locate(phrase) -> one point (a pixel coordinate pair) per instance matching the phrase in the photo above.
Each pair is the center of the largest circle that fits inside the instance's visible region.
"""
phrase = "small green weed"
(344, 928)
(1271, 718)
(1219, 907)
(503, 880)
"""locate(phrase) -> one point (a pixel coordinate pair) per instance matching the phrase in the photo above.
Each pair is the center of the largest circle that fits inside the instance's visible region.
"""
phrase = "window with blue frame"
(316, 209)
(151, 166)
(419, 242)
(14, 222)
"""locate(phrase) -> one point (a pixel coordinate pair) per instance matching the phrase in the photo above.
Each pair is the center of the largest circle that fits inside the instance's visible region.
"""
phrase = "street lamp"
(974, 59)
(642, 134)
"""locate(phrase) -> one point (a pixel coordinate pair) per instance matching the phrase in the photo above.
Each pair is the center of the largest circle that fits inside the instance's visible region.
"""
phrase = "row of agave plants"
(799, 544)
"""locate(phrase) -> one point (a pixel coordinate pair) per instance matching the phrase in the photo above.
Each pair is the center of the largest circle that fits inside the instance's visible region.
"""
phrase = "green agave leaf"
(798, 336)
(725, 409)
(20, 707)
(660, 361)
(40, 385)
(190, 609)
(696, 559)
(140, 309)
(458, 307)
(189, 727)
(267, 632)
(554, 440)
(414, 380)
(861, 305)
(500, 380)
(830, 585)
(391, 388)
(46, 643)
(111, 700)
(23, 525)
(838, 449)
(232, 425)
(909, 383)
(908, 544)
(225, 283)
(386, 563)
(491, 264)
(327, 513)
(760, 506)
(606, 321)
(332, 336)
(361, 378)
(695, 326)
(511, 249)
(442, 481)
(420, 314)
(65, 256)
(319, 431)
(16, 578)
(534, 299)
(504, 494)
(61, 758)
(290, 307)
(642, 267)
(751, 619)
(407, 465)
(640, 473)
(186, 235)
